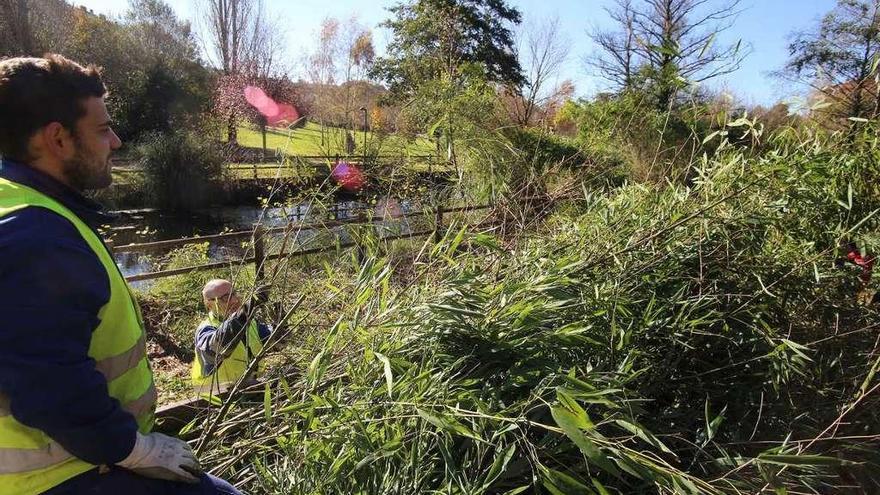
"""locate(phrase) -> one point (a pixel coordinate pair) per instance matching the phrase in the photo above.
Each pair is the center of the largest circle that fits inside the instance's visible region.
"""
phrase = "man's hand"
(261, 293)
(159, 456)
(259, 298)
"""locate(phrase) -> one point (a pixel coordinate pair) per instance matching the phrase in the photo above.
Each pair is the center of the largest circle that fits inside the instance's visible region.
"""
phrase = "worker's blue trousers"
(122, 482)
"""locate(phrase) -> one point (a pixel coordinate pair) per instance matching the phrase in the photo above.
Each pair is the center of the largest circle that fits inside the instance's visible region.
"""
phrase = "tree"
(161, 35)
(175, 88)
(229, 97)
(241, 37)
(241, 40)
(663, 45)
(98, 40)
(263, 57)
(357, 47)
(776, 117)
(545, 52)
(616, 58)
(553, 103)
(229, 25)
(839, 58)
(436, 37)
(338, 70)
(51, 25)
(15, 27)
(149, 58)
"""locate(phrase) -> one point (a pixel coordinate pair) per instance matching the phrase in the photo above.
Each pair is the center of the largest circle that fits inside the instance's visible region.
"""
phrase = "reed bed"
(699, 338)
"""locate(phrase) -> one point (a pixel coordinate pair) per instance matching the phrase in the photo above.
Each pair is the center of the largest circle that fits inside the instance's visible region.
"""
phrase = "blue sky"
(765, 25)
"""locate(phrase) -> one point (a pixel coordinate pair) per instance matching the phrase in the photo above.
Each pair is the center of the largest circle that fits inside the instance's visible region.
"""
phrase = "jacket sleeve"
(53, 286)
(265, 332)
(210, 338)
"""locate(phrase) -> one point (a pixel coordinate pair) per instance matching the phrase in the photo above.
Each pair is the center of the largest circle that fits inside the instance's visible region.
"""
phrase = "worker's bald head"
(220, 297)
(216, 288)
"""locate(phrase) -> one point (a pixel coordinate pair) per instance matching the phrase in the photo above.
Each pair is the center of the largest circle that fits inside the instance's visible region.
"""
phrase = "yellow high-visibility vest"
(30, 461)
(233, 366)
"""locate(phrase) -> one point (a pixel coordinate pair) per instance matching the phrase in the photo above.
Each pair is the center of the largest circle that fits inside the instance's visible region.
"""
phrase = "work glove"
(159, 456)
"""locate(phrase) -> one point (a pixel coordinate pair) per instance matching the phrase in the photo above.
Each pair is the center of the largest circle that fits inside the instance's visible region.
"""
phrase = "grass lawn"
(307, 140)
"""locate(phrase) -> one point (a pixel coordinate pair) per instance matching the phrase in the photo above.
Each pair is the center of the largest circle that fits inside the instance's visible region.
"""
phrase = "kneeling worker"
(227, 340)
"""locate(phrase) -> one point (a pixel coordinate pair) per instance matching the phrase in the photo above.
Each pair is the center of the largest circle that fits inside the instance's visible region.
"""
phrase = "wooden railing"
(258, 240)
(355, 158)
(316, 162)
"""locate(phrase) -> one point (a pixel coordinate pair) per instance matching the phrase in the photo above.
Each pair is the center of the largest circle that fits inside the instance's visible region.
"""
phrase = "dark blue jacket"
(51, 288)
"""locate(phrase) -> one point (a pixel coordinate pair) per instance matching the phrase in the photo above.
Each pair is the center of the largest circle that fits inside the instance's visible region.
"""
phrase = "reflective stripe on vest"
(19, 460)
(115, 366)
(30, 461)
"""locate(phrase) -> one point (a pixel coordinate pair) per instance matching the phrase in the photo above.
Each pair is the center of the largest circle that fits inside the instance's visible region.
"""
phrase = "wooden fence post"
(263, 156)
(359, 229)
(438, 224)
(263, 128)
(259, 253)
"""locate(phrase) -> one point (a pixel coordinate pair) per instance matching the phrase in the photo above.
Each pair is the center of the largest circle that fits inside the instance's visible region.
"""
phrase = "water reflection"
(154, 225)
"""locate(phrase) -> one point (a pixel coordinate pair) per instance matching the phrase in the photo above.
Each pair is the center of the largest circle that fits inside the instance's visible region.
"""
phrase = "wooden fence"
(258, 239)
(317, 162)
(349, 158)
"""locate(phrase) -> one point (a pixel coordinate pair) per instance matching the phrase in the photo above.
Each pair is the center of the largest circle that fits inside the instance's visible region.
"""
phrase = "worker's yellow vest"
(30, 461)
(233, 366)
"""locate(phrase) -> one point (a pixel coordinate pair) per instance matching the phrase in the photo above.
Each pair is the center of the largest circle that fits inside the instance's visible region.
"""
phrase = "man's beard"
(85, 171)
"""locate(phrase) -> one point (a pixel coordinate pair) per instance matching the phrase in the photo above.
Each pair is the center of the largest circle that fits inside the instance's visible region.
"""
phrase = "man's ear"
(56, 141)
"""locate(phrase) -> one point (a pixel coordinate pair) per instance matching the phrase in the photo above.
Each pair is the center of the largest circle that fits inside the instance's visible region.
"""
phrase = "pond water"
(140, 226)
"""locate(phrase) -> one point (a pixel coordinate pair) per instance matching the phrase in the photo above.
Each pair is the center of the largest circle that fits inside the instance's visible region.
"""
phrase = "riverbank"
(243, 184)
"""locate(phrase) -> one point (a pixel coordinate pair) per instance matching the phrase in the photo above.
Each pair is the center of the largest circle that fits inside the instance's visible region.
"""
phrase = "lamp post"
(364, 111)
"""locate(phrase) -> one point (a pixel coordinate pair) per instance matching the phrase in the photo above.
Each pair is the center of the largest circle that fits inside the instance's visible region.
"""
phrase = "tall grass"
(647, 339)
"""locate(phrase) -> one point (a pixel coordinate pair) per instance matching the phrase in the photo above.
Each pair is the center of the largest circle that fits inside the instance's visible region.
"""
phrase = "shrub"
(621, 131)
(542, 148)
(181, 169)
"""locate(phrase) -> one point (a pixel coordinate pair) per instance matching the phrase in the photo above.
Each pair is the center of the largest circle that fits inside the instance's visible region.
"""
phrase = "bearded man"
(77, 397)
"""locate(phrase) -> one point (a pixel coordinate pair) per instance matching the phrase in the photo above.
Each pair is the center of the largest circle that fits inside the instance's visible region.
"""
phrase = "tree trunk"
(17, 27)
(24, 27)
(232, 130)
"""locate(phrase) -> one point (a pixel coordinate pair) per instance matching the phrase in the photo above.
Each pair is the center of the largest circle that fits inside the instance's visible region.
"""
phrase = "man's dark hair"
(34, 92)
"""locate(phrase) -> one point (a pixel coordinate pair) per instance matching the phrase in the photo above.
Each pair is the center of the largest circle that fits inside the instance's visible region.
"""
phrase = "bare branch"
(665, 42)
(241, 38)
(545, 51)
(838, 58)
